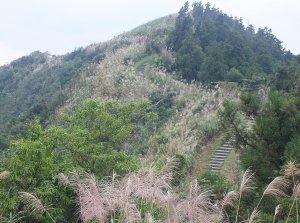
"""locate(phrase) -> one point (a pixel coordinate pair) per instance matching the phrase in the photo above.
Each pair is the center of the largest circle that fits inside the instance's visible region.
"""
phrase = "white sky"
(59, 26)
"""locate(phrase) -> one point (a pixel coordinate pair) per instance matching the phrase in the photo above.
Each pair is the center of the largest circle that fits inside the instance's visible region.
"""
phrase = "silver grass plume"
(253, 216)
(90, 199)
(296, 190)
(63, 179)
(277, 188)
(196, 207)
(32, 203)
(169, 167)
(278, 210)
(118, 195)
(291, 169)
(149, 218)
(230, 199)
(247, 182)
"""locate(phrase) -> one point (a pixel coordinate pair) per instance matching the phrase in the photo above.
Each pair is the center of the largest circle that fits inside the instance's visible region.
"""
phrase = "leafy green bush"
(183, 166)
(292, 151)
(207, 130)
(233, 75)
(90, 139)
(250, 102)
(214, 181)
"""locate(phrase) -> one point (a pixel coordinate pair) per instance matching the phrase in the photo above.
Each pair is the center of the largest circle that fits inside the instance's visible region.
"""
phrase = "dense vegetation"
(123, 131)
(211, 46)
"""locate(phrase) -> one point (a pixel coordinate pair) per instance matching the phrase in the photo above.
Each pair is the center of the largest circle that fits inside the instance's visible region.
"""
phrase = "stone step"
(225, 148)
(218, 156)
(216, 163)
(216, 170)
(222, 152)
(215, 160)
(226, 145)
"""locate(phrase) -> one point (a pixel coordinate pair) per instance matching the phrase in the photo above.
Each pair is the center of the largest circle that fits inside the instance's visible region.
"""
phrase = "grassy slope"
(122, 70)
(187, 131)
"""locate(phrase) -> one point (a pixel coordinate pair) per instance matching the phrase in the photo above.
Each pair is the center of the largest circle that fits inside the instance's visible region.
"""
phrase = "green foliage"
(154, 60)
(189, 59)
(276, 134)
(91, 139)
(233, 75)
(163, 102)
(211, 46)
(33, 164)
(250, 102)
(287, 76)
(231, 116)
(292, 151)
(150, 208)
(214, 182)
(183, 166)
(207, 130)
(36, 85)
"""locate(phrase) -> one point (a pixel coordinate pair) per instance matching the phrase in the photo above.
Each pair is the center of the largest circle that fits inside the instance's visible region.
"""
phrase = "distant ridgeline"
(211, 46)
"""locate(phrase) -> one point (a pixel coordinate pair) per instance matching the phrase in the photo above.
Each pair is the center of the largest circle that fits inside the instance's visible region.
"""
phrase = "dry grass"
(278, 211)
(290, 169)
(278, 187)
(101, 200)
(114, 80)
(229, 200)
(196, 207)
(34, 205)
(247, 182)
(296, 190)
(253, 216)
(201, 106)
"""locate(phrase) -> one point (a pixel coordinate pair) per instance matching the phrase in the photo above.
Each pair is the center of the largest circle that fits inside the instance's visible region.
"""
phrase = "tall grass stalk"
(290, 211)
(245, 187)
(290, 171)
(34, 205)
(277, 188)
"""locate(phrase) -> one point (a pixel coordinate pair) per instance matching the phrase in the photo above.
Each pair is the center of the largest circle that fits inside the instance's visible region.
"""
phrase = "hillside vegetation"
(115, 131)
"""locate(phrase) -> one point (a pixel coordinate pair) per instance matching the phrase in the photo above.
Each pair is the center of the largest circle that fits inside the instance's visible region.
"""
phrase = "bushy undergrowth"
(147, 195)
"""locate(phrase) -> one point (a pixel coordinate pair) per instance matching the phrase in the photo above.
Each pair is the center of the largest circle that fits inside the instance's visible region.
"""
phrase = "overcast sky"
(59, 26)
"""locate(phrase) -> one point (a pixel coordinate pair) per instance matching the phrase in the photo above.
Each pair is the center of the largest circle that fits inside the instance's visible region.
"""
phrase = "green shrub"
(207, 130)
(250, 102)
(292, 151)
(214, 181)
(233, 75)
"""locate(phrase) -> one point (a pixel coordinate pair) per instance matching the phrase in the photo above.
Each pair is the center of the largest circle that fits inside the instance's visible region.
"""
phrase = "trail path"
(217, 160)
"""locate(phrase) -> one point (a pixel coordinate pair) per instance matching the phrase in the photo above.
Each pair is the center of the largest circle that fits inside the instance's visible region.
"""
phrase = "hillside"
(40, 84)
(149, 108)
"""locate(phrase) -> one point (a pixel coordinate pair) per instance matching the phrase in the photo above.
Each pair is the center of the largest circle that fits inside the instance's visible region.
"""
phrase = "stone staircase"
(217, 160)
